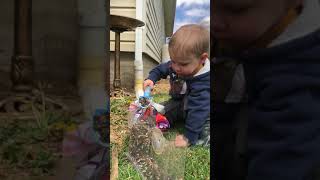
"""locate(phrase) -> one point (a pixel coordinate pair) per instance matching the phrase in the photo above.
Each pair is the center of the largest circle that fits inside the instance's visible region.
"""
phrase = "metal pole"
(117, 81)
(22, 63)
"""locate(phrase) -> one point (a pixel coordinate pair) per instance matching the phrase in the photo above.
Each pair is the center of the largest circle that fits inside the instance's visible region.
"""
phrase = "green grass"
(158, 98)
(197, 159)
(197, 162)
(24, 145)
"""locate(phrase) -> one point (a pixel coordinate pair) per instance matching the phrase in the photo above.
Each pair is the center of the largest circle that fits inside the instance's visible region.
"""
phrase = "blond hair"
(189, 40)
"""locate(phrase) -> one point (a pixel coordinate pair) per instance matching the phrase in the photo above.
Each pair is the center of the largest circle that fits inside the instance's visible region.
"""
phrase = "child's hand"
(181, 141)
(148, 82)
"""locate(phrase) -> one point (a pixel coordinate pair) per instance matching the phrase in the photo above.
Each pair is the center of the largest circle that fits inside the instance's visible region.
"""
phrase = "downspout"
(138, 63)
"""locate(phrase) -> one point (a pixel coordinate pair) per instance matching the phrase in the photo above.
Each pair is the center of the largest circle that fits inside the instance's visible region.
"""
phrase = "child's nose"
(177, 68)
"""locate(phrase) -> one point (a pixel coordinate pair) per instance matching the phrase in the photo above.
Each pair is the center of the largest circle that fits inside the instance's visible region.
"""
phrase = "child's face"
(187, 66)
(237, 23)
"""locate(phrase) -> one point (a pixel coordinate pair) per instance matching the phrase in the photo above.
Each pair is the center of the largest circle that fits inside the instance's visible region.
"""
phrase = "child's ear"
(203, 57)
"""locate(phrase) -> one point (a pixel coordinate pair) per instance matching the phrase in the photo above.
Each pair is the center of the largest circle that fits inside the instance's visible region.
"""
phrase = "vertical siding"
(155, 29)
(123, 8)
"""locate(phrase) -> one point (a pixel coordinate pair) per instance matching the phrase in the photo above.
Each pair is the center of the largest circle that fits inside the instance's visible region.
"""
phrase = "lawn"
(31, 147)
(197, 159)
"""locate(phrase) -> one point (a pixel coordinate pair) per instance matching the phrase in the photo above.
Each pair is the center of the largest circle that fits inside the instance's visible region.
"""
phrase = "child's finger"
(148, 82)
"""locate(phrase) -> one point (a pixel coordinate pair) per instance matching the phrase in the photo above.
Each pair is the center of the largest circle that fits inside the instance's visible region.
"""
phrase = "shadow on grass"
(197, 160)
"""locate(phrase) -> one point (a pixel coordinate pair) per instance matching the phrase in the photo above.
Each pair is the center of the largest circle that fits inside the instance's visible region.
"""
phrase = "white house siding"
(153, 38)
(123, 8)
(155, 29)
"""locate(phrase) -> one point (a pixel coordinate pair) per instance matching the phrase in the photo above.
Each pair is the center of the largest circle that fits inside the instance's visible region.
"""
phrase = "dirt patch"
(162, 87)
(119, 104)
